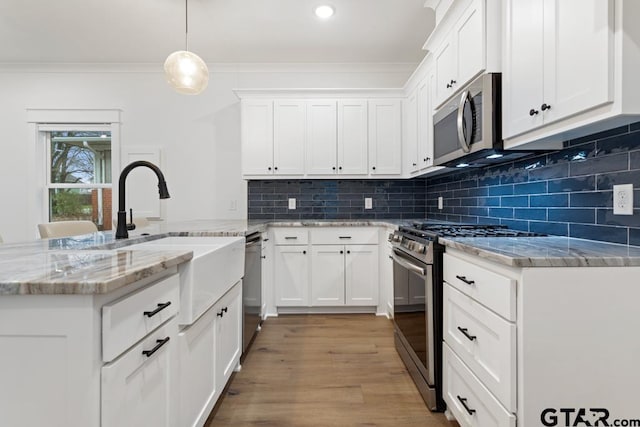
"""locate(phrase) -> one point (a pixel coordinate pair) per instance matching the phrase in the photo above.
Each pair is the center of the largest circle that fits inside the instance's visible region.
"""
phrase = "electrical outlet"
(623, 199)
(233, 206)
(440, 203)
(368, 203)
(292, 203)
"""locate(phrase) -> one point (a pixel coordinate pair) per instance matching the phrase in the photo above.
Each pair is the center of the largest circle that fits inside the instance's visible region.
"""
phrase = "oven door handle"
(407, 264)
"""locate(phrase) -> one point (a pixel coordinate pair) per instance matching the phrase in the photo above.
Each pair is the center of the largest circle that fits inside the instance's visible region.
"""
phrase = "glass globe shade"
(186, 72)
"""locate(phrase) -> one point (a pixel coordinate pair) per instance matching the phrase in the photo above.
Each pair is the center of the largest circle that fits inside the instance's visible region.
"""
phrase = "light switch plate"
(440, 203)
(292, 203)
(623, 199)
(368, 203)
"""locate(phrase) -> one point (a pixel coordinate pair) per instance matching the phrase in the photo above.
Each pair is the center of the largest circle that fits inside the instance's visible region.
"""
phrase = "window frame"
(39, 173)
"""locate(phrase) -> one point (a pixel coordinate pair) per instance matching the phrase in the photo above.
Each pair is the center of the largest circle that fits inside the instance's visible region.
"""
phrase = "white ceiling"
(220, 31)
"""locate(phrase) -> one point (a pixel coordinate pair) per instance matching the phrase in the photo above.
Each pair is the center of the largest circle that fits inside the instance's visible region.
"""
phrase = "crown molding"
(320, 93)
(9, 67)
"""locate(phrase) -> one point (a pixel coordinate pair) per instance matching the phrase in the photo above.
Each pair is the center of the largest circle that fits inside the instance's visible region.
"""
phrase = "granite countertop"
(550, 251)
(97, 263)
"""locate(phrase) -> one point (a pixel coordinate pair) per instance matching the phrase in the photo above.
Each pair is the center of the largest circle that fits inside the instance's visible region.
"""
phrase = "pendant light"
(185, 71)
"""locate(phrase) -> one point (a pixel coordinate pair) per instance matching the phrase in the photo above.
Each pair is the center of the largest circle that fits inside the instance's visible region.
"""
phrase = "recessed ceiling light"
(324, 11)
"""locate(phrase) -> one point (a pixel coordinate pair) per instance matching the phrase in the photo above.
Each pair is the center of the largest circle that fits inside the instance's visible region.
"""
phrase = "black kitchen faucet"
(123, 227)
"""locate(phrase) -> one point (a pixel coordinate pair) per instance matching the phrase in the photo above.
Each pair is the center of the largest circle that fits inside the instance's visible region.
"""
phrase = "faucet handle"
(131, 225)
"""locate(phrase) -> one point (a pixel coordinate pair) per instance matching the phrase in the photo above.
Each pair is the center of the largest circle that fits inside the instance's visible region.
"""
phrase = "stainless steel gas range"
(417, 291)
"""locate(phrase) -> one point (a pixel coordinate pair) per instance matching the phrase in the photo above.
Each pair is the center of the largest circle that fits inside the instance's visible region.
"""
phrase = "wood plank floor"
(324, 370)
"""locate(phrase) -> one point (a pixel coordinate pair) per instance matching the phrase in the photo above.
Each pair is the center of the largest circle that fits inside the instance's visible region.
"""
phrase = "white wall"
(199, 135)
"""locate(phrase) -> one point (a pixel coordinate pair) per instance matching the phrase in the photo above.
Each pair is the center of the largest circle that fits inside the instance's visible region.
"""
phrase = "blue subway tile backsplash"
(337, 199)
(568, 192)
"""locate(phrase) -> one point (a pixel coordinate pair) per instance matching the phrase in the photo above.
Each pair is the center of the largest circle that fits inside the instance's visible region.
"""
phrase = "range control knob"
(420, 249)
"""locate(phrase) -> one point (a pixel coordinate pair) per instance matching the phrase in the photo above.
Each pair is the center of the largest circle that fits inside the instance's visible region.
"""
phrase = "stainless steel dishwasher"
(251, 288)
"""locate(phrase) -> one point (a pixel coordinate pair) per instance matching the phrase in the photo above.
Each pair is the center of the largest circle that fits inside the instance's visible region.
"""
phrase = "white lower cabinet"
(291, 275)
(468, 399)
(197, 370)
(209, 351)
(520, 344)
(137, 387)
(228, 336)
(336, 267)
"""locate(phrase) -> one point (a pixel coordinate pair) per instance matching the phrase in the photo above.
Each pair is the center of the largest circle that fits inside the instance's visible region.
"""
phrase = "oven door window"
(410, 309)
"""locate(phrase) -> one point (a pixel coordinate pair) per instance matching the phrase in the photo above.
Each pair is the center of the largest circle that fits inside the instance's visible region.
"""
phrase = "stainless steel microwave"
(467, 129)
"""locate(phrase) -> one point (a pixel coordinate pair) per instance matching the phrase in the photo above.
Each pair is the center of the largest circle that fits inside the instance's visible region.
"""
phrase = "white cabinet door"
(425, 122)
(445, 58)
(228, 336)
(321, 137)
(410, 114)
(291, 275)
(578, 56)
(327, 275)
(470, 43)
(385, 137)
(257, 137)
(197, 370)
(522, 80)
(352, 137)
(289, 134)
(267, 276)
(361, 275)
(137, 387)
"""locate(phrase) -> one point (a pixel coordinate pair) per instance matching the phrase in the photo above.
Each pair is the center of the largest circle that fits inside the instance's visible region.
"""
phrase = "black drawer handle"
(159, 344)
(290, 237)
(221, 314)
(465, 332)
(465, 280)
(225, 309)
(464, 403)
(344, 237)
(157, 310)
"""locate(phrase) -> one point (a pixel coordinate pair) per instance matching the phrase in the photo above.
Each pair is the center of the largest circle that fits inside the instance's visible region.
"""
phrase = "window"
(78, 173)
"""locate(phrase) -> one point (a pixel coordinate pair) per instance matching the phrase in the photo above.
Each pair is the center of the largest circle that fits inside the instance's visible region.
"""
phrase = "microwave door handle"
(462, 138)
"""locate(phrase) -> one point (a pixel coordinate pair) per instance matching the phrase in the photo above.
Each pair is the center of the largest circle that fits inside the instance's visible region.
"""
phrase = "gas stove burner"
(428, 230)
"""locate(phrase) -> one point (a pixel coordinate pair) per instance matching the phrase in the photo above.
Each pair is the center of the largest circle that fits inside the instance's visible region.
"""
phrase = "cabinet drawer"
(127, 320)
(137, 387)
(492, 290)
(484, 341)
(291, 236)
(468, 400)
(344, 236)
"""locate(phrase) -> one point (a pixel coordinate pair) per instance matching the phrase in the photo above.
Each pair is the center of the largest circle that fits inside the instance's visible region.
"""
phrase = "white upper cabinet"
(385, 137)
(289, 135)
(558, 61)
(410, 114)
(321, 137)
(257, 137)
(461, 55)
(352, 137)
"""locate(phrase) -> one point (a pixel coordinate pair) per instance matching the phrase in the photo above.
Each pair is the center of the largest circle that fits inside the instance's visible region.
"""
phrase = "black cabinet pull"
(449, 85)
(425, 159)
(344, 237)
(304, 252)
(159, 343)
(348, 252)
(334, 168)
(341, 252)
(464, 403)
(533, 112)
(225, 309)
(465, 332)
(221, 314)
(465, 280)
(276, 168)
(374, 168)
(339, 167)
(428, 158)
(453, 82)
(545, 107)
(290, 237)
(157, 310)
(269, 168)
(263, 257)
(415, 164)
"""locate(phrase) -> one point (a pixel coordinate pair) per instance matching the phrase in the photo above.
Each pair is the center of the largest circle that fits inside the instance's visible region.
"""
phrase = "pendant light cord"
(186, 24)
